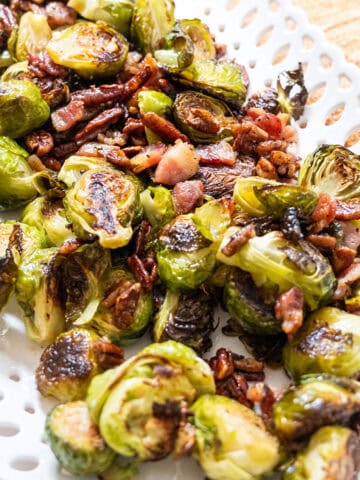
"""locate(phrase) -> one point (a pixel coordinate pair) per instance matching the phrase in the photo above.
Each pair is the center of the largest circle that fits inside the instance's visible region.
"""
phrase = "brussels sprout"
(332, 169)
(91, 49)
(316, 401)
(117, 13)
(232, 442)
(119, 471)
(103, 202)
(328, 342)
(6, 60)
(273, 261)
(219, 79)
(158, 205)
(68, 365)
(74, 166)
(22, 108)
(204, 46)
(125, 309)
(292, 93)
(332, 454)
(33, 35)
(212, 219)
(15, 174)
(156, 102)
(152, 21)
(76, 441)
(202, 118)
(185, 257)
(14, 70)
(186, 318)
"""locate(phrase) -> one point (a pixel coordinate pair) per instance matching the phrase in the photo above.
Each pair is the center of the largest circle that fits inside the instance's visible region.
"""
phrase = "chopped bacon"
(324, 213)
(351, 235)
(342, 258)
(348, 211)
(270, 123)
(322, 242)
(346, 279)
(187, 195)
(289, 310)
(238, 239)
(98, 95)
(99, 124)
(148, 157)
(7, 23)
(217, 154)
(66, 117)
(179, 163)
(163, 127)
(111, 153)
(59, 15)
(43, 66)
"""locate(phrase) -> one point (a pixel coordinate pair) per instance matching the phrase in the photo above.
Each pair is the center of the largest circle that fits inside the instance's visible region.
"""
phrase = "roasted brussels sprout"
(120, 471)
(332, 454)
(15, 175)
(33, 34)
(328, 342)
(185, 257)
(186, 318)
(74, 166)
(232, 442)
(68, 365)
(274, 261)
(316, 401)
(91, 49)
(204, 46)
(158, 205)
(219, 79)
(156, 102)
(259, 196)
(125, 309)
(103, 203)
(14, 70)
(292, 93)
(117, 13)
(152, 21)
(332, 169)
(212, 219)
(75, 440)
(202, 118)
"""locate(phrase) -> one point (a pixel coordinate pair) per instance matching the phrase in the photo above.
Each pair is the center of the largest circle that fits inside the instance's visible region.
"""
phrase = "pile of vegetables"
(154, 189)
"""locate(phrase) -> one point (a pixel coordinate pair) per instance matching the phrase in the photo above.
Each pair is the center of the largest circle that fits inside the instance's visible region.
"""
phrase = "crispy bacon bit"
(43, 66)
(107, 354)
(324, 213)
(238, 239)
(187, 195)
(217, 154)
(248, 137)
(346, 279)
(179, 163)
(59, 14)
(69, 246)
(322, 242)
(348, 211)
(342, 258)
(7, 23)
(66, 117)
(351, 235)
(99, 124)
(270, 123)
(98, 95)
(163, 127)
(289, 310)
(147, 157)
(65, 150)
(40, 142)
(111, 153)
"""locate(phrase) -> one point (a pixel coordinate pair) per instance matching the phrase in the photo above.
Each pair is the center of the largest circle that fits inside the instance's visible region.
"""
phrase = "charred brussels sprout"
(232, 442)
(332, 169)
(117, 13)
(15, 175)
(152, 21)
(292, 93)
(328, 342)
(91, 49)
(185, 257)
(158, 205)
(68, 365)
(316, 401)
(74, 166)
(332, 454)
(186, 318)
(204, 46)
(14, 70)
(273, 261)
(33, 35)
(156, 102)
(22, 108)
(203, 119)
(76, 441)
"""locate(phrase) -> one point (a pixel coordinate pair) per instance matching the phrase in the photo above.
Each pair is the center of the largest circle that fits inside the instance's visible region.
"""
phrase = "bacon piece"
(59, 14)
(178, 164)
(324, 213)
(99, 124)
(43, 66)
(217, 154)
(65, 118)
(346, 279)
(40, 142)
(148, 157)
(7, 23)
(289, 310)
(97, 95)
(351, 232)
(111, 153)
(348, 211)
(322, 242)
(163, 127)
(187, 195)
(238, 239)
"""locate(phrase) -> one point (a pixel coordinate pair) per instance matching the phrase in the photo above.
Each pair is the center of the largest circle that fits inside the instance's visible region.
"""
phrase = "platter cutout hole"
(221, 28)
(308, 42)
(353, 137)
(24, 464)
(281, 54)
(252, 64)
(14, 376)
(264, 36)
(236, 46)
(344, 81)
(29, 408)
(268, 82)
(232, 4)
(326, 61)
(304, 66)
(335, 114)
(316, 93)
(303, 123)
(290, 23)
(207, 11)
(275, 7)
(8, 429)
(2, 396)
(249, 18)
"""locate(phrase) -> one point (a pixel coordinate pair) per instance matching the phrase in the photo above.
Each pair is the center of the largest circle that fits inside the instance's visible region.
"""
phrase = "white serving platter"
(242, 25)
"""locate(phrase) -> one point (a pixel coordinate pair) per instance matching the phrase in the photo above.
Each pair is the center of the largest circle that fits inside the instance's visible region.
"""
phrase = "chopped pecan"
(346, 279)
(66, 117)
(99, 124)
(238, 239)
(163, 127)
(322, 242)
(342, 258)
(7, 23)
(122, 299)
(265, 148)
(133, 126)
(42, 65)
(107, 354)
(40, 142)
(289, 310)
(265, 169)
(58, 14)
(248, 137)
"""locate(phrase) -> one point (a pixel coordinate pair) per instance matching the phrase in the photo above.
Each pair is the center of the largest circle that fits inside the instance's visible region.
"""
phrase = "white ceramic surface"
(23, 453)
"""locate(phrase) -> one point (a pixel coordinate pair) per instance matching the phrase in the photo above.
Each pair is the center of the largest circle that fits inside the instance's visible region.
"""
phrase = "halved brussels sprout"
(328, 342)
(75, 440)
(74, 166)
(185, 257)
(16, 186)
(152, 21)
(117, 13)
(68, 365)
(292, 93)
(186, 318)
(332, 454)
(158, 205)
(125, 309)
(33, 35)
(316, 401)
(332, 169)
(120, 471)
(204, 119)
(91, 49)
(273, 261)
(14, 70)
(212, 219)
(219, 79)
(232, 442)
(156, 102)
(22, 108)
(259, 196)
(204, 45)
(103, 203)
